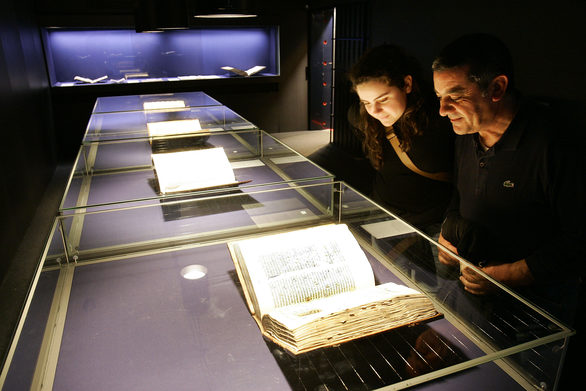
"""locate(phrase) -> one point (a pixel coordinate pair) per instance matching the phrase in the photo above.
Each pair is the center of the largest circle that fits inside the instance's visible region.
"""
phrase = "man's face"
(461, 100)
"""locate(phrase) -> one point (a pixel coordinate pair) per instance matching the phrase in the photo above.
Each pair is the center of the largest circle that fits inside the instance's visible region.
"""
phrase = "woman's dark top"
(417, 199)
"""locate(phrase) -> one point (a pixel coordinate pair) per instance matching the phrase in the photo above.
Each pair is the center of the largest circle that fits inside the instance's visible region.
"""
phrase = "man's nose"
(445, 107)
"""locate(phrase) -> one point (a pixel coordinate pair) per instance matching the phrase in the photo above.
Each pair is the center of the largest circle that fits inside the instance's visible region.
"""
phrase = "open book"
(193, 170)
(246, 73)
(163, 104)
(314, 287)
(176, 135)
(88, 80)
(176, 127)
(136, 75)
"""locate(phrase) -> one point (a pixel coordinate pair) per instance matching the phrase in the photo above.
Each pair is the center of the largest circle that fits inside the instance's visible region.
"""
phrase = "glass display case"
(130, 125)
(111, 308)
(115, 160)
(85, 57)
(169, 100)
(110, 172)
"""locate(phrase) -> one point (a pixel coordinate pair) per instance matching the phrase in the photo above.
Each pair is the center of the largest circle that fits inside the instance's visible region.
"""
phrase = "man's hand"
(445, 257)
(511, 274)
(474, 282)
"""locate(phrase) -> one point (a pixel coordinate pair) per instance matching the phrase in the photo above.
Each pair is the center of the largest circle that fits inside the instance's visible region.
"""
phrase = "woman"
(398, 107)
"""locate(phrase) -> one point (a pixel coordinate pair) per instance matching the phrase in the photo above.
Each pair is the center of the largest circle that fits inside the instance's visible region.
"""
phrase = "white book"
(246, 73)
(88, 80)
(163, 104)
(193, 170)
(169, 128)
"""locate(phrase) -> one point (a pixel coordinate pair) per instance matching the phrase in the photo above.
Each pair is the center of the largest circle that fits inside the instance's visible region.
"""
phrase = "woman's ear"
(498, 87)
(408, 84)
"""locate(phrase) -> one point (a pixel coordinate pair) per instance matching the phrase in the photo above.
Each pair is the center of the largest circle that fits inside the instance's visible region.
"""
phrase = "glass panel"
(110, 172)
(146, 123)
(24, 361)
(110, 104)
(180, 219)
(130, 311)
(498, 322)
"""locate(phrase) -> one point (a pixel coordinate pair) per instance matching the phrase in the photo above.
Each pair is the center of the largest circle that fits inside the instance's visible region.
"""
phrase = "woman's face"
(384, 102)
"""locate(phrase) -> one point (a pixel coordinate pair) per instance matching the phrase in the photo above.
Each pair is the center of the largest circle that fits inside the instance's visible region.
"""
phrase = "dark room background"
(548, 42)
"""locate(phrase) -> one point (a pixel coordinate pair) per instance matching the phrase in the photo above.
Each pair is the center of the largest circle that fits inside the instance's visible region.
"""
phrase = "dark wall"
(284, 108)
(547, 39)
(27, 157)
(274, 106)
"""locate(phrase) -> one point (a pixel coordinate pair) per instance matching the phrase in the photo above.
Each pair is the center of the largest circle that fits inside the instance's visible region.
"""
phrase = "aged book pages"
(347, 316)
(193, 170)
(314, 287)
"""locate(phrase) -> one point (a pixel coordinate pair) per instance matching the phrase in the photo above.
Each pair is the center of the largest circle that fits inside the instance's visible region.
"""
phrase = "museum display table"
(113, 305)
(114, 163)
(117, 313)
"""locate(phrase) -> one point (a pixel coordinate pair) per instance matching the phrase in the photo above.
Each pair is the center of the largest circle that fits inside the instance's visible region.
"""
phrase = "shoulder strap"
(437, 176)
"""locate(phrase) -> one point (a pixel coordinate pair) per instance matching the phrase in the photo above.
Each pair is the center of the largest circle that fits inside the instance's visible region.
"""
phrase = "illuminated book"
(193, 170)
(163, 104)
(169, 128)
(314, 287)
(136, 75)
(177, 135)
(246, 73)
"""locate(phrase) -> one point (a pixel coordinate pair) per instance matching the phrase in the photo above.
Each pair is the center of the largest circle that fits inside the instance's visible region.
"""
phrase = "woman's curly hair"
(390, 64)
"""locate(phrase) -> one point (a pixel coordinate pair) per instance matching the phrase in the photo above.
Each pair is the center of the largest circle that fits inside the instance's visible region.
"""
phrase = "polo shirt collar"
(517, 128)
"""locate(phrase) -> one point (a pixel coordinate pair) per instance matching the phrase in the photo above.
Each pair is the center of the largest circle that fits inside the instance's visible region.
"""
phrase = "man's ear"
(408, 84)
(498, 88)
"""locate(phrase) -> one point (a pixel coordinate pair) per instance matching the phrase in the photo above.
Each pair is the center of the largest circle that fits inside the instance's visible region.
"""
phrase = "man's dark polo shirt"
(527, 192)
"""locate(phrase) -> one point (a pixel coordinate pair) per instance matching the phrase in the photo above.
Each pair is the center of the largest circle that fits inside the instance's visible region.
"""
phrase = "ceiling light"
(226, 15)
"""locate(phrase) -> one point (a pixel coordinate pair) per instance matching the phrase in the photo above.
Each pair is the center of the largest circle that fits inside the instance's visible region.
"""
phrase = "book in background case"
(245, 73)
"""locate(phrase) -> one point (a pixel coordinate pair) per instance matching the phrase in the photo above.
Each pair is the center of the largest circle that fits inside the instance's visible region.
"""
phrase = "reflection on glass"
(370, 362)
(191, 206)
(163, 104)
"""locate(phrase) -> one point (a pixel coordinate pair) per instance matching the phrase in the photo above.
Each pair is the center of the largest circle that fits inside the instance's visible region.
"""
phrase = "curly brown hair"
(390, 64)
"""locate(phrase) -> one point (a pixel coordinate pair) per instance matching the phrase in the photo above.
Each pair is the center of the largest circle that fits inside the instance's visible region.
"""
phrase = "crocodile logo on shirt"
(508, 184)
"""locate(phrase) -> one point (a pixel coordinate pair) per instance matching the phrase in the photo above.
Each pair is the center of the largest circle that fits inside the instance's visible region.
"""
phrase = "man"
(519, 197)
(519, 203)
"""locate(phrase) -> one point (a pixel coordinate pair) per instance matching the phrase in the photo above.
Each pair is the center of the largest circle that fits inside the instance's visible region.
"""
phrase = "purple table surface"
(137, 324)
